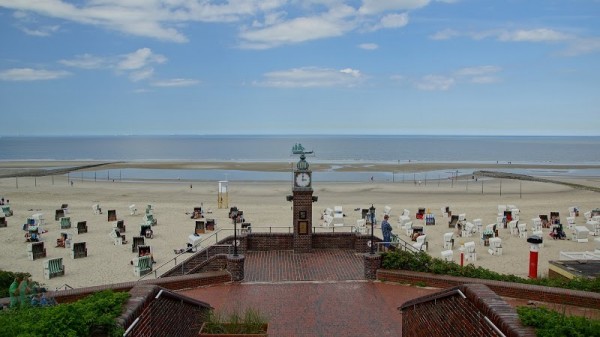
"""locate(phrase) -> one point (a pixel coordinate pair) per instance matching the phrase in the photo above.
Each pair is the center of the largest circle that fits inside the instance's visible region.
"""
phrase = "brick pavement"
(322, 293)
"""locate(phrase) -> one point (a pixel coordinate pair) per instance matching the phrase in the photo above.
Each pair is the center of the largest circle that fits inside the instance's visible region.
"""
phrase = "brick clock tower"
(302, 197)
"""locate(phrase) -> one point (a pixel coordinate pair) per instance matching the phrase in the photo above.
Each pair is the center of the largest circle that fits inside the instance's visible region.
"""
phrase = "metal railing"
(399, 244)
(207, 242)
(203, 247)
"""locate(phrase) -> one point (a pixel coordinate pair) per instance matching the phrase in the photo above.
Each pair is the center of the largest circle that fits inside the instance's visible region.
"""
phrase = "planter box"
(204, 334)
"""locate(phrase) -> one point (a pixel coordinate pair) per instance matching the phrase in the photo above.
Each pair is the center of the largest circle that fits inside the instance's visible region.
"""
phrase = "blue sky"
(474, 67)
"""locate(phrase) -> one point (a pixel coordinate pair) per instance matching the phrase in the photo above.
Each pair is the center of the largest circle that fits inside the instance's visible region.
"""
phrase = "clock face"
(302, 179)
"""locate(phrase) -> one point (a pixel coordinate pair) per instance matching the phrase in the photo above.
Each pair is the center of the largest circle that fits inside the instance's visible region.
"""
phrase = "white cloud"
(533, 35)
(142, 74)
(445, 34)
(393, 21)
(476, 75)
(139, 59)
(41, 31)
(28, 74)
(86, 61)
(582, 46)
(157, 19)
(312, 77)
(368, 46)
(301, 29)
(175, 82)
(477, 71)
(435, 82)
(379, 6)
(263, 23)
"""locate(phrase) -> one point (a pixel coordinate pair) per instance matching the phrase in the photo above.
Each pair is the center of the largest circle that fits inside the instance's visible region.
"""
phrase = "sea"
(338, 149)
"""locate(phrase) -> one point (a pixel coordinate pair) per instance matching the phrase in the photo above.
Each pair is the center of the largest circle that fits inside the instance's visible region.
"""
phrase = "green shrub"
(549, 323)
(251, 321)
(7, 277)
(422, 262)
(81, 318)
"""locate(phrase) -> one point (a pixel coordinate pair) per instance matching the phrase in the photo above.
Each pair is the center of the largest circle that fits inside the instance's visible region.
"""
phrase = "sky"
(365, 67)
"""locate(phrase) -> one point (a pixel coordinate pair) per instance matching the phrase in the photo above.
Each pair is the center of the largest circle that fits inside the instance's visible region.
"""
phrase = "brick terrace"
(322, 293)
(320, 265)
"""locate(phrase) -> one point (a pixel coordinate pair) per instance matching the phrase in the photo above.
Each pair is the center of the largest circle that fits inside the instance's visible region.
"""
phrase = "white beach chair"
(132, 209)
(448, 240)
(593, 226)
(403, 220)
(408, 228)
(478, 225)
(470, 254)
(468, 230)
(495, 246)
(327, 220)
(522, 227)
(537, 224)
(96, 209)
(514, 230)
(581, 234)
(338, 216)
(447, 255)
(421, 243)
(387, 210)
(574, 211)
(406, 212)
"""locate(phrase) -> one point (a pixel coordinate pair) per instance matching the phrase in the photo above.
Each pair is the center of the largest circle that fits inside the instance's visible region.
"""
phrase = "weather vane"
(299, 149)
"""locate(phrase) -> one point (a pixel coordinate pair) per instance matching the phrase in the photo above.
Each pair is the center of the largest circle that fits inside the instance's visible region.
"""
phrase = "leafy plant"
(550, 323)
(251, 321)
(7, 277)
(422, 262)
(97, 311)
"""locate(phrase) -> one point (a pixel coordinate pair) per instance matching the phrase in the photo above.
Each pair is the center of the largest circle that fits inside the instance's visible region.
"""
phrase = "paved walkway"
(316, 294)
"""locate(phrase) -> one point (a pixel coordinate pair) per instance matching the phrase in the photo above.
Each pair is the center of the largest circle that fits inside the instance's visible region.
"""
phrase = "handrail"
(215, 236)
(198, 244)
(66, 286)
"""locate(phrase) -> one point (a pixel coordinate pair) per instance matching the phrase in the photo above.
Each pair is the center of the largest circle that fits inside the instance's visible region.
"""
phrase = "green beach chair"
(150, 220)
(142, 265)
(53, 268)
(65, 222)
(7, 211)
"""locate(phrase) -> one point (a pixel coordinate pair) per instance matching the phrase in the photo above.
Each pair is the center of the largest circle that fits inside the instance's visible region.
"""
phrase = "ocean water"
(328, 149)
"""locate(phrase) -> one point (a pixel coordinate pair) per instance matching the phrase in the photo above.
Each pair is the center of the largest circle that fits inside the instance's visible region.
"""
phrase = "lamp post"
(234, 215)
(372, 216)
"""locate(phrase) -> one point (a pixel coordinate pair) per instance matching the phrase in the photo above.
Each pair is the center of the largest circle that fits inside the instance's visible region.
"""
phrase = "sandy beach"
(265, 206)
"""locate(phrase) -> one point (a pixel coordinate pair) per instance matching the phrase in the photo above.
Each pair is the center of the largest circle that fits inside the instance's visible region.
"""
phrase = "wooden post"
(500, 187)
(17, 182)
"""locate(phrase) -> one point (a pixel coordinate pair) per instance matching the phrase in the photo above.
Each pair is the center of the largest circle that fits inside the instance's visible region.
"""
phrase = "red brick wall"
(269, 241)
(507, 289)
(168, 315)
(448, 313)
(172, 283)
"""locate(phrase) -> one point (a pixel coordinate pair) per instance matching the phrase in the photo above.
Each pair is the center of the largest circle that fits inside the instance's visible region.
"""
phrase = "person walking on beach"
(386, 230)
(13, 291)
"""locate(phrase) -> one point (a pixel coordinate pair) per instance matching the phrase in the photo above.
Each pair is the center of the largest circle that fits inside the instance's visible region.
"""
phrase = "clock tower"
(302, 197)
